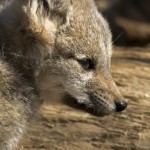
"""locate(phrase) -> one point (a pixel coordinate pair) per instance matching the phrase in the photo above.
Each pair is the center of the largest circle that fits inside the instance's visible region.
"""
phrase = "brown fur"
(43, 45)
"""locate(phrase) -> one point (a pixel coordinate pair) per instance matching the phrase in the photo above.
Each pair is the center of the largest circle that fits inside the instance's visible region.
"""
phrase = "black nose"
(120, 105)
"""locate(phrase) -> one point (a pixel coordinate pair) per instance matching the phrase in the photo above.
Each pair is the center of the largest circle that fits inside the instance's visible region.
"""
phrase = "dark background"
(129, 20)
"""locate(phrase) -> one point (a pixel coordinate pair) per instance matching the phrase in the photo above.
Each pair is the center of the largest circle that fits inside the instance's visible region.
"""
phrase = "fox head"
(70, 42)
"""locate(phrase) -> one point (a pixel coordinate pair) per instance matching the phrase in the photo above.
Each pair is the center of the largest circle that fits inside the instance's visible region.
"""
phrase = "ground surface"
(61, 127)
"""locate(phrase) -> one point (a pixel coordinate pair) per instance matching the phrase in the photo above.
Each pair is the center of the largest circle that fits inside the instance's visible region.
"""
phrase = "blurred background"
(129, 20)
(60, 127)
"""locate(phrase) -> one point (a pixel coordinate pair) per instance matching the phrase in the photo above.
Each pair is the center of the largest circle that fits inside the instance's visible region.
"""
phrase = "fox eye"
(86, 63)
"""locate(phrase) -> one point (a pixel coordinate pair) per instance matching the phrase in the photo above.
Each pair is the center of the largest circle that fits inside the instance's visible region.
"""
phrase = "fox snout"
(105, 98)
(102, 105)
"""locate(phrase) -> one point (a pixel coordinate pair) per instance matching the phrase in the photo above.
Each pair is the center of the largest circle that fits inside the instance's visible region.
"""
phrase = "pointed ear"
(33, 25)
(54, 9)
(60, 8)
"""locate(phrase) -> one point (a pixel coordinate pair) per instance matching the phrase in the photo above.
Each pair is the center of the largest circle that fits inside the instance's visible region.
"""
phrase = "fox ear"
(60, 8)
(55, 9)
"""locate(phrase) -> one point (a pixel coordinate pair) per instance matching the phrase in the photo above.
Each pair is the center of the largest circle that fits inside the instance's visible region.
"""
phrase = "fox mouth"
(93, 107)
